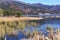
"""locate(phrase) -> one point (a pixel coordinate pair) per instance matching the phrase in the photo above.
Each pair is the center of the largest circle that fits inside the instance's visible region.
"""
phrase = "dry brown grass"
(12, 19)
(18, 18)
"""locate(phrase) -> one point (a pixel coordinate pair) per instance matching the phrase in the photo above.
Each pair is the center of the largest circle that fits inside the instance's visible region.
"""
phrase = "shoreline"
(19, 18)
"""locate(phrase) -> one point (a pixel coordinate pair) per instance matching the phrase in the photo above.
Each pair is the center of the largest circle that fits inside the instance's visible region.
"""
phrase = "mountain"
(51, 8)
(27, 8)
(4, 1)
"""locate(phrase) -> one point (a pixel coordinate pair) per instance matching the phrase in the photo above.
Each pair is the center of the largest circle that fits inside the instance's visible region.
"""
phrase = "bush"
(18, 14)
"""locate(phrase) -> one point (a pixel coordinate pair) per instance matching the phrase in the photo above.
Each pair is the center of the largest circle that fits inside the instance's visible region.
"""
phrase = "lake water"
(53, 22)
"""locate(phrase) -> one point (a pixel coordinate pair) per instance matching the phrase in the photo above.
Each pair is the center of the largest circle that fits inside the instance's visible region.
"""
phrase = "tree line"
(10, 12)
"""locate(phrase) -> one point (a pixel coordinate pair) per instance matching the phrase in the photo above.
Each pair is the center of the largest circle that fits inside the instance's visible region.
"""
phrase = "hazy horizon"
(46, 2)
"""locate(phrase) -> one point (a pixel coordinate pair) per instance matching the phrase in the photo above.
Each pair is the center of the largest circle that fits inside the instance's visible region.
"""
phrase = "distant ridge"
(4, 1)
(30, 8)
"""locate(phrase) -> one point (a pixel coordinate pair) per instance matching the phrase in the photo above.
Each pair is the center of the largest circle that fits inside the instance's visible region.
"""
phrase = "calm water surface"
(53, 22)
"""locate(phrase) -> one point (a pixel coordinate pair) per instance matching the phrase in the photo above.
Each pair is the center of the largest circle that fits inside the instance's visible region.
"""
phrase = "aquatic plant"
(49, 28)
(11, 28)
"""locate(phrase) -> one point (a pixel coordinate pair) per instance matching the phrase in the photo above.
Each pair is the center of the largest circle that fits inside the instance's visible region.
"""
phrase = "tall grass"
(12, 27)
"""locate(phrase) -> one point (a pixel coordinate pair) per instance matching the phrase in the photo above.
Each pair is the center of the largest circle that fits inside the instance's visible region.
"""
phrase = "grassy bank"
(18, 18)
(11, 27)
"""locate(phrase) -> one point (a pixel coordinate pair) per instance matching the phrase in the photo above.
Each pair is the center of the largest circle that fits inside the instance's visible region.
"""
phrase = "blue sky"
(46, 2)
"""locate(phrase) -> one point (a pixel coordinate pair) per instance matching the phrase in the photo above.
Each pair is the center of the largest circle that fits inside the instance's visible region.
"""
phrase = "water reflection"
(39, 25)
(55, 22)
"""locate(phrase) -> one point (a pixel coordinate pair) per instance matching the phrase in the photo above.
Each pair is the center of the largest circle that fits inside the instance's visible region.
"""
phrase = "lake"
(42, 24)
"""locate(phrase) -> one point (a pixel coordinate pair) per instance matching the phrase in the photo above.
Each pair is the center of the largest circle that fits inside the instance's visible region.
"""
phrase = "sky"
(46, 2)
